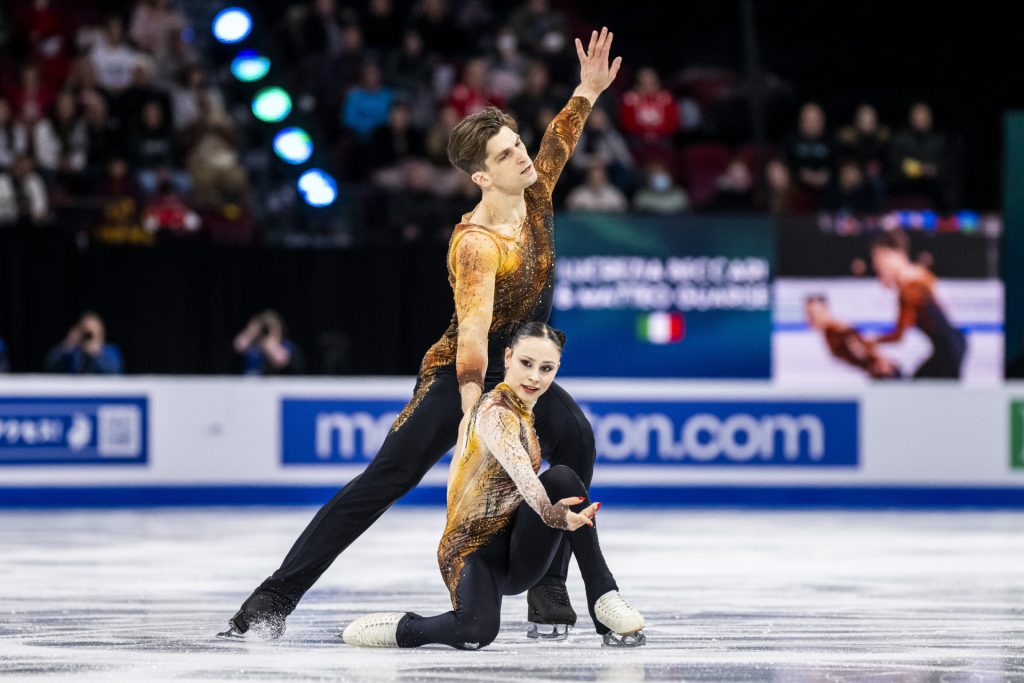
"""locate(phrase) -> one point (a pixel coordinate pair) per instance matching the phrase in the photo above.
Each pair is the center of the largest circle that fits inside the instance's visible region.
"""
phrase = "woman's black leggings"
(511, 562)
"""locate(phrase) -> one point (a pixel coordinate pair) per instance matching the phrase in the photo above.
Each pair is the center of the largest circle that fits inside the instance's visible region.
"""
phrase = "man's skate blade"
(637, 639)
(558, 632)
(231, 634)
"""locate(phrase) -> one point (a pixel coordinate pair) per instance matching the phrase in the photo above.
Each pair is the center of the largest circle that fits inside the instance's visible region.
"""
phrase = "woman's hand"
(575, 520)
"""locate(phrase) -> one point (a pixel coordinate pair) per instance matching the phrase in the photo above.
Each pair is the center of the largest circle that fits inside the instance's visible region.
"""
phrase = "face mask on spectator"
(660, 182)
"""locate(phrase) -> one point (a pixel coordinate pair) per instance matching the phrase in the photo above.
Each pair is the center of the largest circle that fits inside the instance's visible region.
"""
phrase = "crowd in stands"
(117, 121)
(109, 122)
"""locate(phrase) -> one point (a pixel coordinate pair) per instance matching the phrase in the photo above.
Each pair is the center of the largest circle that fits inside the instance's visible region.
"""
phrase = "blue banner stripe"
(756, 497)
(881, 327)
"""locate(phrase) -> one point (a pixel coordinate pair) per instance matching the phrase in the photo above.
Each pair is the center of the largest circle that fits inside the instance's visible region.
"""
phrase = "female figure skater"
(505, 523)
(919, 307)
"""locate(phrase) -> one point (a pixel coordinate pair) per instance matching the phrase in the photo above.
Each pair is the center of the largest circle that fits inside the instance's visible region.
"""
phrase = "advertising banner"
(73, 430)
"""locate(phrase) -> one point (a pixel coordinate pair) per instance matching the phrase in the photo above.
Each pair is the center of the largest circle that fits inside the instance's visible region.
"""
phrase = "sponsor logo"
(726, 433)
(1017, 434)
(73, 430)
(316, 431)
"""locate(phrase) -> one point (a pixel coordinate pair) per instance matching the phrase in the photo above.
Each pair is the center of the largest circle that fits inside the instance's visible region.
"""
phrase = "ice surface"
(734, 596)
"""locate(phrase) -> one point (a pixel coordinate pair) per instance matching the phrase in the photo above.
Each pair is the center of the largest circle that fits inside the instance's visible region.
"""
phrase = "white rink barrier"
(134, 441)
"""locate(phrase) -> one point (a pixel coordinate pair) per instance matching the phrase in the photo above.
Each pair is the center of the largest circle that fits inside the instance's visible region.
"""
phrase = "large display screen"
(805, 300)
(645, 296)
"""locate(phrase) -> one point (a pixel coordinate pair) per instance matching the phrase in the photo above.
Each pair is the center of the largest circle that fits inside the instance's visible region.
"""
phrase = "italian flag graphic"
(660, 328)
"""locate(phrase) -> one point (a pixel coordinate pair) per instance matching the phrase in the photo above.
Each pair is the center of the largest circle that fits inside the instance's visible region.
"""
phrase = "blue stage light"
(293, 145)
(232, 25)
(317, 188)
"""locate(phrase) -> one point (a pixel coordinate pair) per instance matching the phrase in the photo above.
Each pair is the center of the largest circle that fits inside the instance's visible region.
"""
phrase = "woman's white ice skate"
(379, 629)
(626, 623)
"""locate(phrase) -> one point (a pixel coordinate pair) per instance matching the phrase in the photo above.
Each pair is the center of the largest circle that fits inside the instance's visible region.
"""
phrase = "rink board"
(146, 441)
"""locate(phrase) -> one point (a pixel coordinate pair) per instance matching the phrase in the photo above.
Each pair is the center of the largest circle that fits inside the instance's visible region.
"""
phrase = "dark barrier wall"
(1013, 243)
(176, 309)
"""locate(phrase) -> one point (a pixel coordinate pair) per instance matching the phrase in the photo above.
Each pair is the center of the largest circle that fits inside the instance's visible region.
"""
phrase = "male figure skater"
(501, 266)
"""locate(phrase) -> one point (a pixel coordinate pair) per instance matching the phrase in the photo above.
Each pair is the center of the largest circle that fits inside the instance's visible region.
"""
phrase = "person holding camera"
(85, 351)
(265, 350)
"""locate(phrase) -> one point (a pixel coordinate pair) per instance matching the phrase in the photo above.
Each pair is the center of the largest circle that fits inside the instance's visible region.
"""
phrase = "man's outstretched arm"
(564, 130)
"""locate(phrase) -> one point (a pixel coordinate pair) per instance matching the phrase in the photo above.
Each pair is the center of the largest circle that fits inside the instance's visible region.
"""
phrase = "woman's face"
(530, 367)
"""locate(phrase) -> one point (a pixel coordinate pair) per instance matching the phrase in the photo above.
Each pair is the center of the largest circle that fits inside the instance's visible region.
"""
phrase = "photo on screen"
(913, 296)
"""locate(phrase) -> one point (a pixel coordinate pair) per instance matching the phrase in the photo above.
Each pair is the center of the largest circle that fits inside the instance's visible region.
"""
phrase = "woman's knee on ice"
(478, 632)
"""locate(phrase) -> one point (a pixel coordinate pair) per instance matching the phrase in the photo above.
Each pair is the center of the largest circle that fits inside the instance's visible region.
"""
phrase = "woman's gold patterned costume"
(495, 472)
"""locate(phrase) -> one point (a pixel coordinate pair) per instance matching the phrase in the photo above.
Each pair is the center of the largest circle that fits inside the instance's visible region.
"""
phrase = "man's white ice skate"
(379, 629)
(626, 623)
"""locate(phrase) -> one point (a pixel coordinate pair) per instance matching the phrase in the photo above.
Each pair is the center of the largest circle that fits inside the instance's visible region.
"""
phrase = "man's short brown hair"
(467, 143)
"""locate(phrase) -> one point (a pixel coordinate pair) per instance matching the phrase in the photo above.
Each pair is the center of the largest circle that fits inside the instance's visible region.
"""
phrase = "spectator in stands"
(540, 28)
(660, 194)
(367, 105)
(919, 160)
(172, 59)
(473, 93)
(381, 25)
(780, 194)
(538, 93)
(14, 138)
(104, 138)
(113, 59)
(24, 201)
(155, 154)
(601, 143)
(509, 66)
(810, 154)
(43, 28)
(61, 140)
(597, 193)
(32, 97)
(211, 158)
(436, 140)
(85, 350)
(734, 189)
(185, 97)
(441, 33)
(264, 348)
(167, 212)
(395, 142)
(410, 71)
(853, 193)
(866, 141)
(649, 117)
(155, 24)
(5, 364)
(142, 92)
(322, 28)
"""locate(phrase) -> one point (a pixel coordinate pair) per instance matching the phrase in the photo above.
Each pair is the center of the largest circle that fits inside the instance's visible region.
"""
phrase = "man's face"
(507, 166)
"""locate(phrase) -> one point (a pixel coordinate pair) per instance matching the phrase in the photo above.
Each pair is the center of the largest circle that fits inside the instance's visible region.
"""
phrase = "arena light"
(249, 66)
(232, 25)
(293, 145)
(271, 104)
(317, 188)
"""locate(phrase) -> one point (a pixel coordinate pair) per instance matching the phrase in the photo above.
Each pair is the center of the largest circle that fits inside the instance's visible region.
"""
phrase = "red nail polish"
(598, 506)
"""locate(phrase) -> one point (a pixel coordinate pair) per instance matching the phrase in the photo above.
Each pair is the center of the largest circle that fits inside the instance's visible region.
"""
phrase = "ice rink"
(728, 596)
